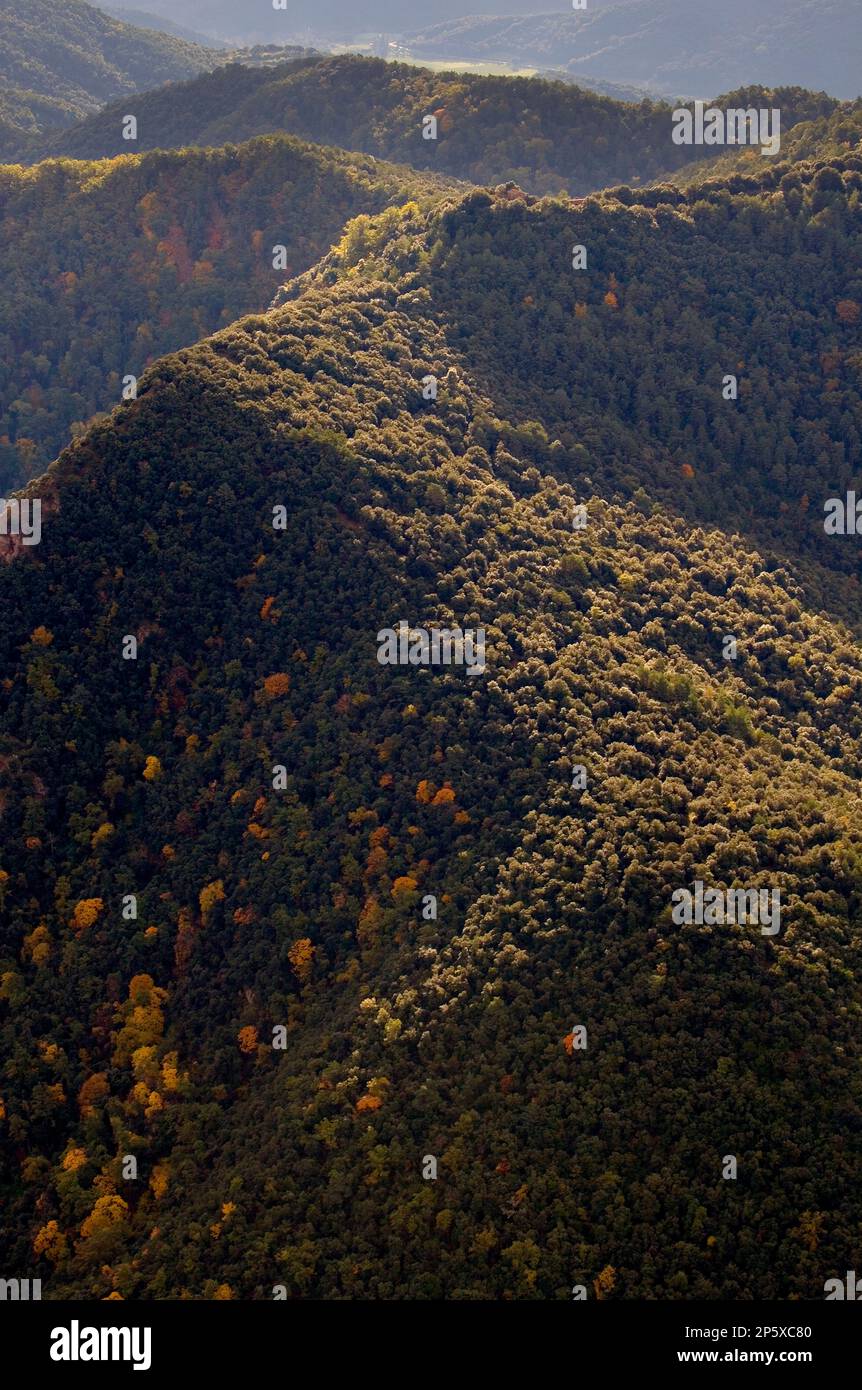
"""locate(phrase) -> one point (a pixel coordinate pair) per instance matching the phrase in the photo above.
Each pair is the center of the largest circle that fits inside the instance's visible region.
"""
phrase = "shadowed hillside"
(375, 905)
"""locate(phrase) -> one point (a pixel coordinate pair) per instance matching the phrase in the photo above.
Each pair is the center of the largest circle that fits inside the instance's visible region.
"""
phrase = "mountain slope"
(143, 19)
(544, 135)
(830, 136)
(631, 350)
(80, 55)
(146, 254)
(26, 116)
(280, 804)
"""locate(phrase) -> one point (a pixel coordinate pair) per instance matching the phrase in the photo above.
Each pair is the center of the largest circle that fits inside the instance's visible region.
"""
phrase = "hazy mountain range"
(258, 22)
(145, 19)
(671, 46)
(668, 46)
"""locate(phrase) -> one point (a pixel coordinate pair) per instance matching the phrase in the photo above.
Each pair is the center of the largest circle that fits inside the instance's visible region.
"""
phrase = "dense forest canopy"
(826, 135)
(59, 62)
(26, 115)
(281, 806)
(146, 254)
(629, 356)
(329, 974)
(79, 54)
(150, 253)
(547, 136)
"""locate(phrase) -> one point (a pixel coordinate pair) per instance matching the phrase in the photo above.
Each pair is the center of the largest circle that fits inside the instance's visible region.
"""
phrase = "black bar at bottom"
(231, 1339)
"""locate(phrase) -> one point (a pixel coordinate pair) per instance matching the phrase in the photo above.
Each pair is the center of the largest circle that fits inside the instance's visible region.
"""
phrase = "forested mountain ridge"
(281, 805)
(630, 357)
(146, 254)
(615, 90)
(79, 54)
(826, 136)
(59, 63)
(546, 136)
(25, 117)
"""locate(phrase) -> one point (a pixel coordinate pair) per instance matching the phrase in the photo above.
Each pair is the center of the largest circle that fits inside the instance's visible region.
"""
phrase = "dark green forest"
(77, 54)
(626, 359)
(829, 135)
(25, 115)
(61, 62)
(546, 136)
(280, 805)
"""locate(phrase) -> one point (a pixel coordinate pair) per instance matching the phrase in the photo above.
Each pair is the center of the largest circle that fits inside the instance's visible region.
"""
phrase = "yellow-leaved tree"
(51, 1243)
(208, 897)
(86, 913)
(301, 956)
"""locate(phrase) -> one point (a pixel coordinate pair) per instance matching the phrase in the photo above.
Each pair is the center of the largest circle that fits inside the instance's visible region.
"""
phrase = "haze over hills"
(617, 91)
(281, 804)
(144, 19)
(671, 45)
(148, 253)
(304, 21)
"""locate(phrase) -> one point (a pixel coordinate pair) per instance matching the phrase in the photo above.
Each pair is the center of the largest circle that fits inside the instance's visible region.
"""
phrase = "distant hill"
(310, 20)
(79, 55)
(546, 136)
(617, 91)
(105, 267)
(57, 64)
(671, 45)
(144, 19)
